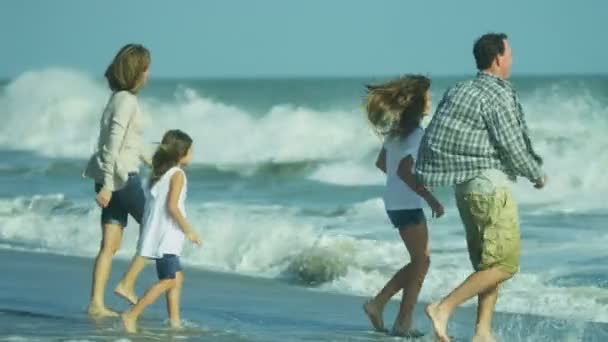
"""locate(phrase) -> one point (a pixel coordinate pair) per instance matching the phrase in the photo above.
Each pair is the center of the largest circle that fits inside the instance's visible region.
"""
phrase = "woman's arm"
(125, 108)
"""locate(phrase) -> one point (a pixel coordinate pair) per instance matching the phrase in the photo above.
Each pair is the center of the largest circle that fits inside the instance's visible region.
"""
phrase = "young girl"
(395, 110)
(165, 226)
(115, 168)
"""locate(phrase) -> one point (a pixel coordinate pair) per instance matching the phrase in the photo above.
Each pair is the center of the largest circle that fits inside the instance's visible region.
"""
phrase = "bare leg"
(418, 250)
(110, 243)
(173, 301)
(129, 318)
(126, 286)
(485, 312)
(416, 240)
(375, 307)
(476, 283)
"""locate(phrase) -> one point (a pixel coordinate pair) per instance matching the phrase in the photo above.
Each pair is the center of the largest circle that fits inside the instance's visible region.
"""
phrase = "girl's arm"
(405, 173)
(381, 160)
(175, 190)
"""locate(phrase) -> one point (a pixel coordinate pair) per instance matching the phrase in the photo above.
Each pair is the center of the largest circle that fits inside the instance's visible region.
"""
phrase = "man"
(478, 141)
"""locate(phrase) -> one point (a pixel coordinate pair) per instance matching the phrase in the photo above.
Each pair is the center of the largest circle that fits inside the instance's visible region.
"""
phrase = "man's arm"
(512, 141)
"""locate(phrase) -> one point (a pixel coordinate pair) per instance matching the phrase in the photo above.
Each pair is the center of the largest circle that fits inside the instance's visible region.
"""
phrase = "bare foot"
(439, 318)
(484, 338)
(374, 313)
(96, 311)
(129, 295)
(402, 326)
(176, 324)
(407, 333)
(129, 323)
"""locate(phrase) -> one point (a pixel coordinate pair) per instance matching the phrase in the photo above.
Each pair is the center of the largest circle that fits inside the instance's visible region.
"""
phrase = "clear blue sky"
(236, 38)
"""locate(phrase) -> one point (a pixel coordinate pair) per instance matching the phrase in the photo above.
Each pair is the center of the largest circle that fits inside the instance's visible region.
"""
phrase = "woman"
(115, 169)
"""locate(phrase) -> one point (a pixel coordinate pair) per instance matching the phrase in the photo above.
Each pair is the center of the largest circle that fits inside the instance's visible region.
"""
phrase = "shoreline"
(50, 292)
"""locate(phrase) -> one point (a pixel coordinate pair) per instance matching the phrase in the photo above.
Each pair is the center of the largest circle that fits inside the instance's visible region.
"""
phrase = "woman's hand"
(103, 198)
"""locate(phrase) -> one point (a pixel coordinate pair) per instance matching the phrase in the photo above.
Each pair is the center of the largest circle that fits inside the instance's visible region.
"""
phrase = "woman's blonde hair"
(126, 70)
(397, 107)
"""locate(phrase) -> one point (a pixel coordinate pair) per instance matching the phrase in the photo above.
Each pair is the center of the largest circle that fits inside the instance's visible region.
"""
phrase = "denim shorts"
(130, 200)
(405, 218)
(168, 266)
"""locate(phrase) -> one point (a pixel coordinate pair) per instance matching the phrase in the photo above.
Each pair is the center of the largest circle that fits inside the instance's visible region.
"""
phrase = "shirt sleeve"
(145, 155)
(510, 134)
(124, 109)
(412, 144)
(526, 131)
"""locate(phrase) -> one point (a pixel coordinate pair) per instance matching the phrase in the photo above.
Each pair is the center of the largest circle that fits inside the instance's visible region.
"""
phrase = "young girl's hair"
(396, 108)
(172, 149)
(126, 70)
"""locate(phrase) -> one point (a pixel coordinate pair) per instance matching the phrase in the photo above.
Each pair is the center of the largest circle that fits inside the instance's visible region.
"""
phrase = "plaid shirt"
(479, 125)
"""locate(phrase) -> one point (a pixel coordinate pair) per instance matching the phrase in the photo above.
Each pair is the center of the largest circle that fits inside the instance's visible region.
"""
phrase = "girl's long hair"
(172, 149)
(396, 108)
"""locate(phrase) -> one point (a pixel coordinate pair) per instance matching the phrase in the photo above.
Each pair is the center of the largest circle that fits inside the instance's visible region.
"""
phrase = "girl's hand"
(103, 198)
(437, 208)
(193, 236)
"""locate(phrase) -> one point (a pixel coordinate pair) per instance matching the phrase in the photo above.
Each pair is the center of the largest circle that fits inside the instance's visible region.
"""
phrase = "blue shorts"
(168, 266)
(130, 200)
(406, 218)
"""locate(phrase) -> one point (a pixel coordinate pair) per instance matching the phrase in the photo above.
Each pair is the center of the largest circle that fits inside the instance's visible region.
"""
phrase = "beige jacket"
(120, 148)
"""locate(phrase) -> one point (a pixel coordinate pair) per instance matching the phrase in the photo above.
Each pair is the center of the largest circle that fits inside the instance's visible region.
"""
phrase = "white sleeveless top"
(161, 233)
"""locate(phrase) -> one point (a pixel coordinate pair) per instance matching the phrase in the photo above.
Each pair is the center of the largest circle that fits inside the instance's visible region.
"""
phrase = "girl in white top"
(115, 169)
(395, 110)
(165, 226)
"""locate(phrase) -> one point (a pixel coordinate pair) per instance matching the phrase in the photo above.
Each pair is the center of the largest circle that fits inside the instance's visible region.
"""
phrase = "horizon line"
(5, 78)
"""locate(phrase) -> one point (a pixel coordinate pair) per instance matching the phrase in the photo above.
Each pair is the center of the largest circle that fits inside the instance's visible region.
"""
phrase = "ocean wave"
(56, 112)
(288, 244)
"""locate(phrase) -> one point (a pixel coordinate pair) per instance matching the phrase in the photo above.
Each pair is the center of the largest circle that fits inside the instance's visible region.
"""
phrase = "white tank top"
(161, 234)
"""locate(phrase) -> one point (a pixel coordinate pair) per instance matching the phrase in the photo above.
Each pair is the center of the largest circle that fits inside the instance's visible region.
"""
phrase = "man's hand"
(541, 182)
